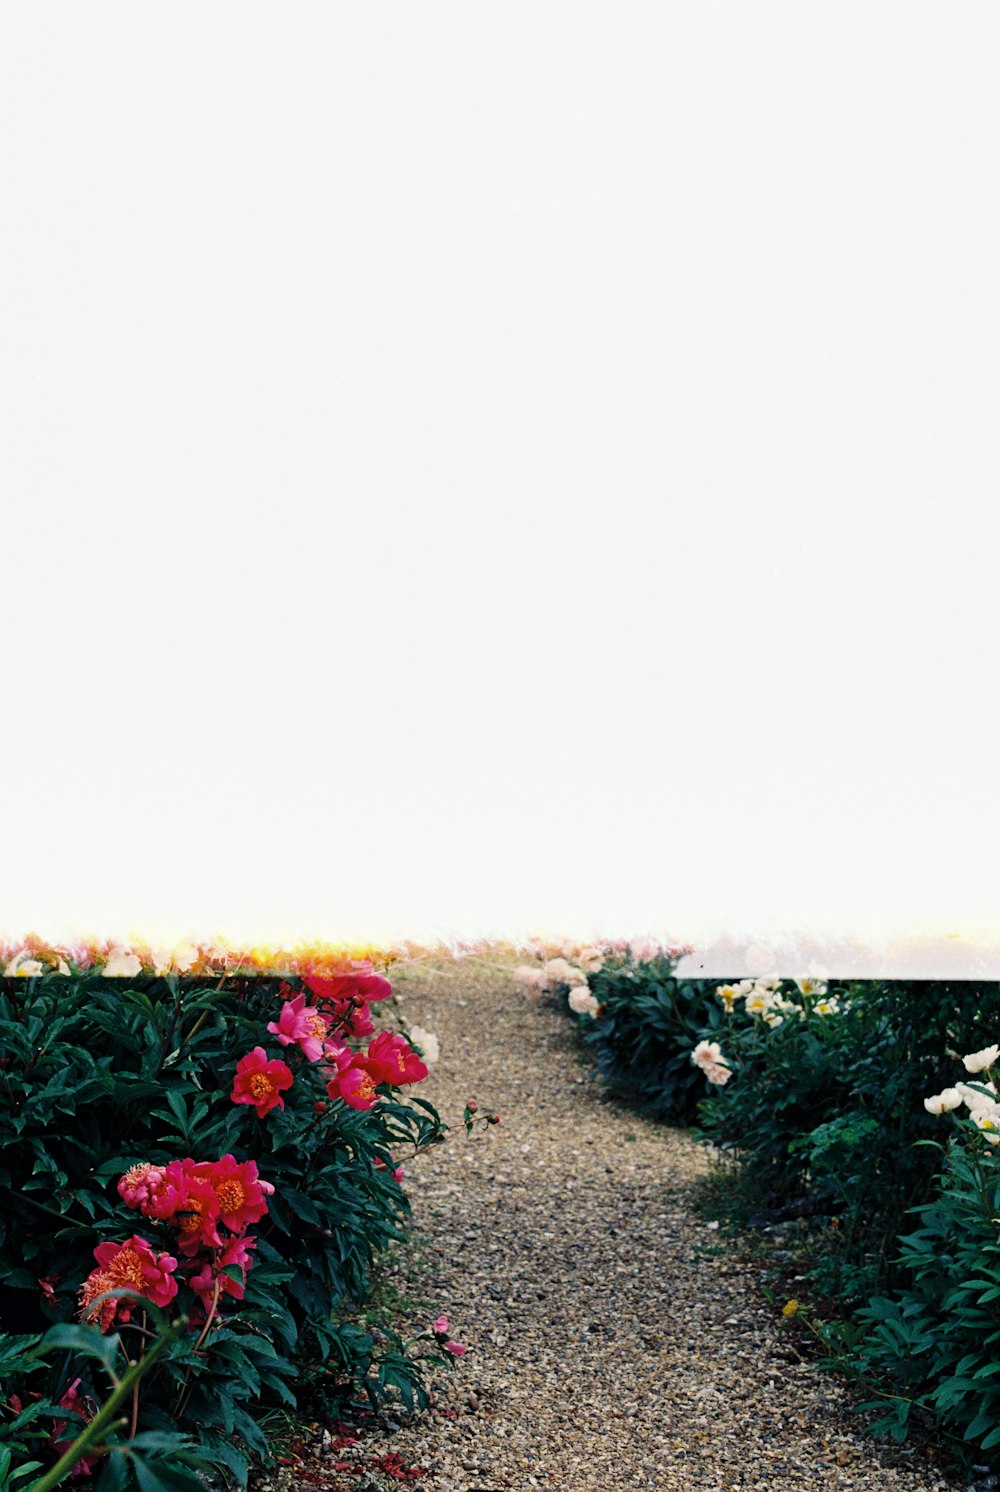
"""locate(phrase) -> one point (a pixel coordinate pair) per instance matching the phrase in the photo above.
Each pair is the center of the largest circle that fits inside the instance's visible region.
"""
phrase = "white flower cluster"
(708, 1056)
(763, 997)
(980, 1099)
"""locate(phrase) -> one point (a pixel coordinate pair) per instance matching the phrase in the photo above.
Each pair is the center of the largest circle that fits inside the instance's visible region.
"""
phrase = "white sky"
(496, 467)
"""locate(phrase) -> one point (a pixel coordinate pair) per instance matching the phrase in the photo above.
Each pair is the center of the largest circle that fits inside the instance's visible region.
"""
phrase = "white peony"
(987, 1121)
(974, 1099)
(977, 1061)
(427, 1042)
(25, 966)
(122, 965)
(941, 1103)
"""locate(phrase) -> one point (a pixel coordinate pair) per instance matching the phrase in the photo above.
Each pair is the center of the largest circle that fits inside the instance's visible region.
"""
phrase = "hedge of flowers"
(199, 1163)
(829, 1097)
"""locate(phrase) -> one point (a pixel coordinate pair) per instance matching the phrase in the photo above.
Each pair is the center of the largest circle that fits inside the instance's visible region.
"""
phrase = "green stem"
(103, 1418)
(69, 1222)
(185, 1393)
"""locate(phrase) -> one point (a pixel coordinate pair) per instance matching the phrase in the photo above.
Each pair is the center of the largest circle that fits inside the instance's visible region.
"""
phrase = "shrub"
(639, 1021)
(930, 1348)
(643, 1034)
(826, 1109)
(219, 1144)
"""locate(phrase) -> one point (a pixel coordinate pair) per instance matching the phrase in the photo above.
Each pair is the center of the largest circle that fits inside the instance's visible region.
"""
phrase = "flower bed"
(200, 1163)
(827, 1096)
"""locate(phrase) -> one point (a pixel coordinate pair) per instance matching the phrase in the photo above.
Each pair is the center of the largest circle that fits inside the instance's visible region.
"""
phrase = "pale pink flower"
(528, 977)
(644, 950)
(706, 1054)
(557, 971)
(582, 1002)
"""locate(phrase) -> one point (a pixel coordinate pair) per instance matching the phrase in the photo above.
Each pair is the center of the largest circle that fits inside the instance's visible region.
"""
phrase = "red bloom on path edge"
(396, 1060)
(260, 1082)
(131, 1265)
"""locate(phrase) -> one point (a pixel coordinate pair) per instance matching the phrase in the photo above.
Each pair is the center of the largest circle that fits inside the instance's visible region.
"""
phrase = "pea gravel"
(613, 1342)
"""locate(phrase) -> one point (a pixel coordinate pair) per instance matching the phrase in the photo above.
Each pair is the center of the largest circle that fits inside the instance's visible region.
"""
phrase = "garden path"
(614, 1342)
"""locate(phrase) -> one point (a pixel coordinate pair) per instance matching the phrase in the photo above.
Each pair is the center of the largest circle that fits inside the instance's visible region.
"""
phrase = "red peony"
(197, 1212)
(355, 1083)
(364, 988)
(395, 1059)
(85, 1409)
(261, 1082)
(241, 1196)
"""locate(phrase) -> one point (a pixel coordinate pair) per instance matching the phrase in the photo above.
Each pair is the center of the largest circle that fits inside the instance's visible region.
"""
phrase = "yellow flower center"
(191, 1220)
(261, 1086)
(127, 1269)
(231, 1195)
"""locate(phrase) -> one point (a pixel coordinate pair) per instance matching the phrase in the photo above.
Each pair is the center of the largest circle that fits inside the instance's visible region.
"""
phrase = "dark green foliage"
(931, 1349)
(825, 1116)
(99, 1074)
(829, 1110)
(644, 1035)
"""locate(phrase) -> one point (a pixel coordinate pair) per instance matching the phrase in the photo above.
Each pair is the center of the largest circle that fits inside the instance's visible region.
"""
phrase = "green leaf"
(87, 1340)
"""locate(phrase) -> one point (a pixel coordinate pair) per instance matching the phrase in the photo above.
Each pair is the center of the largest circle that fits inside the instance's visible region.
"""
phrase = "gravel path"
(613, 1343)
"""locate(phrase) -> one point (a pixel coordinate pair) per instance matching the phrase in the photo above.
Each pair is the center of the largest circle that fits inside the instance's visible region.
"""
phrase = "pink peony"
(356, 1083)
(441, 1329)
(236, 1251)
(301, 1025)
(131, 1265)
(155, 1191)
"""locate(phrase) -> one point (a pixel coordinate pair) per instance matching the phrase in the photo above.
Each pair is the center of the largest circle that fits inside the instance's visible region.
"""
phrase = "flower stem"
(103, 1419)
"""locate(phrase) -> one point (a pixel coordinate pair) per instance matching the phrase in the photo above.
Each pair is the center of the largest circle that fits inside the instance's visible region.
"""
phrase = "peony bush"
(199, 1152)
(638, 1020)
(827, 1097)
(928, 1350)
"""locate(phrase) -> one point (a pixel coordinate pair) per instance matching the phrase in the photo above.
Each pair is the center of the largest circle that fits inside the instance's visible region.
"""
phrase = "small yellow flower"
(790, 1309)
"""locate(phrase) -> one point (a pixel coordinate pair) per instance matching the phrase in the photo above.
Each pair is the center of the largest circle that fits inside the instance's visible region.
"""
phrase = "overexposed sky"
(500, 467)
